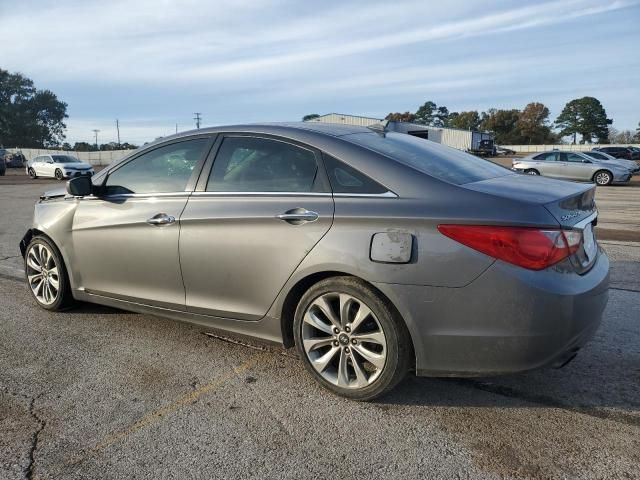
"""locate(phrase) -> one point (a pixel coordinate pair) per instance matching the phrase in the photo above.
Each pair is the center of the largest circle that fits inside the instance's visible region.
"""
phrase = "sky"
(153, 63)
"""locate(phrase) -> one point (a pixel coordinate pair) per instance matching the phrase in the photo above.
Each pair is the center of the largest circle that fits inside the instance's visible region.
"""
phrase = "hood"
(621, 162)
(82, 165)
(58, 192)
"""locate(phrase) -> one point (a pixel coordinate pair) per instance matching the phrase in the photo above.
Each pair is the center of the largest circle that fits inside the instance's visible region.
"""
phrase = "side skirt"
(266, 330)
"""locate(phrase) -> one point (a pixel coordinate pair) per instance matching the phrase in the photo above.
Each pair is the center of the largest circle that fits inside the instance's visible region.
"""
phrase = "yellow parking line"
(156, 415)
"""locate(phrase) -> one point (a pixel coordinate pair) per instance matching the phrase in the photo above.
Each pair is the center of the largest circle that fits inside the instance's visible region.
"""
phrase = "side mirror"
(80, 187)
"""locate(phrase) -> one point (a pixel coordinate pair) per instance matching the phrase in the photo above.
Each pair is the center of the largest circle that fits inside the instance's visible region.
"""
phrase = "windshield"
(444, 163)
(64, 159)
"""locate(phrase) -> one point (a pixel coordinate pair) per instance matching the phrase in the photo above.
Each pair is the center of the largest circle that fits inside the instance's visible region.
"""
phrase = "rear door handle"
(297, 216)
(161, 219)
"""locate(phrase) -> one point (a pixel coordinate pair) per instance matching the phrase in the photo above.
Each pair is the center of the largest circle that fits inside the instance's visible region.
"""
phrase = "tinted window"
(574, 157)
(165, 169)
(547, 157)
(597, 155)
(249, 164)
(345, 179)
(442, 162)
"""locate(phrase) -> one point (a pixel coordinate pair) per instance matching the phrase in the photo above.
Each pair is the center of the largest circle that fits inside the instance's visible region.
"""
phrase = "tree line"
(584, 117)
(33, 118)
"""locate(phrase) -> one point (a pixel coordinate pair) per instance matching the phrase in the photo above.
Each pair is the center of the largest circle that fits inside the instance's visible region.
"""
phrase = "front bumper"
(507, 320)
(77, 173)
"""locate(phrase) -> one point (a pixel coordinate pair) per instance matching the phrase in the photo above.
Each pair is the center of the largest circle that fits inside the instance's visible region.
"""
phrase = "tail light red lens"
(530, 248)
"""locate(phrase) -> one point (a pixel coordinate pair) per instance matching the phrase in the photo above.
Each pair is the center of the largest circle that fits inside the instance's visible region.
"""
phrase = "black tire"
(603, 178)
(399, 350)
(59, 174)
(532, 171)
(63, 298)
(32, 173)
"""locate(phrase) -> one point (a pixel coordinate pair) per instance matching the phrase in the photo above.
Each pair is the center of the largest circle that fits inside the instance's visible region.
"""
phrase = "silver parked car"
(372, 252)
(606, 158)
(58, 166)
(572, 166)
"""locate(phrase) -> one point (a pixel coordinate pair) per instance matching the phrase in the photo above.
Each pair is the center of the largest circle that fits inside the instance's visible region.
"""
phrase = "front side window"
(250, 164)
(162, 170)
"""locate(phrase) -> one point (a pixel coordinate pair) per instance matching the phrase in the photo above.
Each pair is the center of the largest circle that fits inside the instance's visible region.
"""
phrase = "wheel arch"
(296, 292)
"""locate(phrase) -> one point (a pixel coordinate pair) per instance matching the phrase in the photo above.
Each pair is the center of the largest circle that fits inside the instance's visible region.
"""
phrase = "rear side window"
(573, 157)
(345, 179)
(444, 163)
(546, 157)
(251, 164)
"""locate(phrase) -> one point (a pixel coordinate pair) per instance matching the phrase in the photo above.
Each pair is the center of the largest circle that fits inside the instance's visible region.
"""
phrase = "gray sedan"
(573, 166)
(373, 253)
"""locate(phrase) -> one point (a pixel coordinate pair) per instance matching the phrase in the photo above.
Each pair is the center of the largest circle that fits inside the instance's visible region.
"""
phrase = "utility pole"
(118, 129)
(176, 128)
(95, 131)
(197, 118)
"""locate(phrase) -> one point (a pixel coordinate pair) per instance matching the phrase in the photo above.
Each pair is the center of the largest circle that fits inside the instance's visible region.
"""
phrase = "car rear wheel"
(46, 275)
(532, 171)
(350, 339)
(59, 174)
(32, 173)
(603, 177)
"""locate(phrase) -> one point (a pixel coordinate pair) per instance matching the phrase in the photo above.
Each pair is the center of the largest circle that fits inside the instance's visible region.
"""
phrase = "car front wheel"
(59, 174)
(350, 339)
(32, 173)
(602, 177)
(46, 275)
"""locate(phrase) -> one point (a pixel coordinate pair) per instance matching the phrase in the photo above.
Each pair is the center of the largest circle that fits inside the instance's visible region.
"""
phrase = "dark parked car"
(620, 152)
(3, 166)
(15, 160)
(372, 252)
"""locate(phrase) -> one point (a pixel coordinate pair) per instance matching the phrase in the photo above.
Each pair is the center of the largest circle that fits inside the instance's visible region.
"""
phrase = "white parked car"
(58, 166)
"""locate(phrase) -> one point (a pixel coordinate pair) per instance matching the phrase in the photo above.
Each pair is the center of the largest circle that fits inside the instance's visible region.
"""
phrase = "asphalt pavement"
(101, 393)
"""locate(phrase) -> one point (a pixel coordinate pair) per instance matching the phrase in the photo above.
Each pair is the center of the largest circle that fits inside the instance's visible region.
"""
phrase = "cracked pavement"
(100, 393)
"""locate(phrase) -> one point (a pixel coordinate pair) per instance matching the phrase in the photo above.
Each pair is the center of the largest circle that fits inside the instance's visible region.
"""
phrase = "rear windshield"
(444, 163)
(64, 159)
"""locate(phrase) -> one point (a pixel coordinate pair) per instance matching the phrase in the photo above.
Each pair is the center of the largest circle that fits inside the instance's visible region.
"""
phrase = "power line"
(197, 118)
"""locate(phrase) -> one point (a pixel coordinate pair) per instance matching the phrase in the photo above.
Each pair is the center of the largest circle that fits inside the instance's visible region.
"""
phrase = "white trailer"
(468, 140)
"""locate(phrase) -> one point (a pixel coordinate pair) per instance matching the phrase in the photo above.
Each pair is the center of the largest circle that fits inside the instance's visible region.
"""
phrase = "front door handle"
(297, 216)
(161, 219)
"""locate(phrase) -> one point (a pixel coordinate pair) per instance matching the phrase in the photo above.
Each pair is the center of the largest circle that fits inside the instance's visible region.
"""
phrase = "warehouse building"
(467, 140)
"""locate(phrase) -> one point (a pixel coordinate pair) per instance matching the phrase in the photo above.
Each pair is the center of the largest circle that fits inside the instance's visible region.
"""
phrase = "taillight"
(531, 248)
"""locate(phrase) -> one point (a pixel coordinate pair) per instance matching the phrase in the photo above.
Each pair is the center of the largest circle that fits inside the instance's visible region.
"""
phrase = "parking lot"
(102, 393)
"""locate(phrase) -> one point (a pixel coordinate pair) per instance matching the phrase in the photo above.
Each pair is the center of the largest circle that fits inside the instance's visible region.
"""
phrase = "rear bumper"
(508, 320)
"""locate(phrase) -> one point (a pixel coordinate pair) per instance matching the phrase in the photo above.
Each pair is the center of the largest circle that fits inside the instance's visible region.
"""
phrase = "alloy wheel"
(603, 178)
(344, 340)
(42, 274)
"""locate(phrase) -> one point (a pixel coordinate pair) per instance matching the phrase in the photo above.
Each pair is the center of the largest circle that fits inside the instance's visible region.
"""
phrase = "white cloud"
(242, 58)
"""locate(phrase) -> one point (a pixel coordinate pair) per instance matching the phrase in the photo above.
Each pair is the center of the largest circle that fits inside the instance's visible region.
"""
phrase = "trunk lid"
(569, 202)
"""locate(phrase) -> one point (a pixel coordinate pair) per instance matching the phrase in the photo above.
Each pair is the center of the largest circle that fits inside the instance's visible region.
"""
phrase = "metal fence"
(572, 148)
(93, 158)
